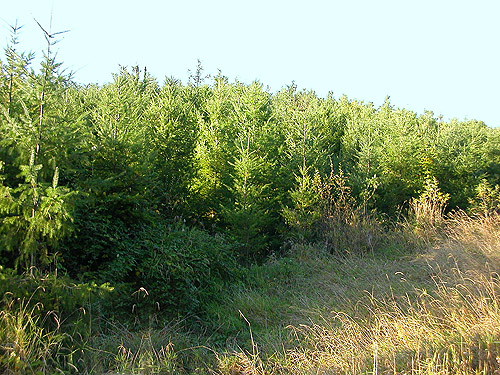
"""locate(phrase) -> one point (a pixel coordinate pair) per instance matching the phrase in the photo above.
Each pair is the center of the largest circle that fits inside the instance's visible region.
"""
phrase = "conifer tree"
(304, 212)
(214, 148)
(247, 211)
(171, 137)
(34, 214)
(109, 173)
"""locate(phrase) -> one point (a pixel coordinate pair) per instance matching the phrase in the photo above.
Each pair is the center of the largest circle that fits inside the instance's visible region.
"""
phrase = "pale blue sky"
(437, 55)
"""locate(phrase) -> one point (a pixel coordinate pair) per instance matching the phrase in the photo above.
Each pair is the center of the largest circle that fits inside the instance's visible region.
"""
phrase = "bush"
(184, 268)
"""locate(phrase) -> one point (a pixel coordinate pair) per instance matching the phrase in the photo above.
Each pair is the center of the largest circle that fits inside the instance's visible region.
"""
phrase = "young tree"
(110, 173)
(170, 141)
(34, 209)
(214, 148)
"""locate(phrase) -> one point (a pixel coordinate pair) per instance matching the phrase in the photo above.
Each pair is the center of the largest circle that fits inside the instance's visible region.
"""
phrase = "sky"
(437, 55)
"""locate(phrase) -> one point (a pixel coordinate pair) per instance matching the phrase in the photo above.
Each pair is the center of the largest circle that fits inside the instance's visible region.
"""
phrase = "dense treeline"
(172, 186)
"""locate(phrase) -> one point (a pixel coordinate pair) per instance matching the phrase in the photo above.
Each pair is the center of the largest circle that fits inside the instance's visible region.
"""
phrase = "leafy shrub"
(184, 268)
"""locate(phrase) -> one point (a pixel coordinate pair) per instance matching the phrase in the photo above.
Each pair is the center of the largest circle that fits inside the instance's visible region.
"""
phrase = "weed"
(27, 345)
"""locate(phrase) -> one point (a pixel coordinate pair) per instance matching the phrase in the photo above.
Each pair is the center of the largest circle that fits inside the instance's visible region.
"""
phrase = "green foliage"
(213, 149)
(426, 212)
(246, 215)
(34, 209)
(165, 190)
(462, 159)
(169, 147)
(36, 217)
(184, 268)
(15, 72)
(487, 200)
(389, 148)
(108, 172)
(97, 175)
(305, 214)
(248, 210)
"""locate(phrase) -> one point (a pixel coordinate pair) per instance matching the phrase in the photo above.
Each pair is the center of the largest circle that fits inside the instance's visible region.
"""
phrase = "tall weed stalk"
(345, 225)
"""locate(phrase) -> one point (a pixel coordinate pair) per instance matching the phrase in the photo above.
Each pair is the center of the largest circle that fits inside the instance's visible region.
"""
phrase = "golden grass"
(453, 330)
(449, 326)
(479, 234)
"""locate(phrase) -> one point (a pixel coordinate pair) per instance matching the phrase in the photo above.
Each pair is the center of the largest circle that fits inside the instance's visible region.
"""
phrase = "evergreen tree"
(110, 176)
(34, 209)
(171, 136)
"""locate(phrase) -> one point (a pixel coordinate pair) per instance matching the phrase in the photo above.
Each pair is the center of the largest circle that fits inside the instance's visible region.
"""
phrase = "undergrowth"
(433, 307)
(436, 311)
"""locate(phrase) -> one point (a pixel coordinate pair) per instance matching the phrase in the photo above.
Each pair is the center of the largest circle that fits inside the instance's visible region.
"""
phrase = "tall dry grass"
(453, 330)
(451, 327)
(478, 234)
